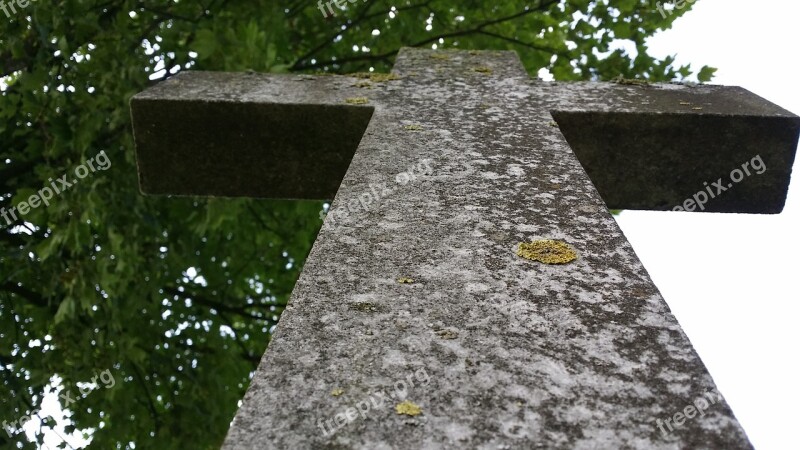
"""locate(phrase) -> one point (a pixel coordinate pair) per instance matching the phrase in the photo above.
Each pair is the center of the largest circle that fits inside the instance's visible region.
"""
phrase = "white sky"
(729, 279)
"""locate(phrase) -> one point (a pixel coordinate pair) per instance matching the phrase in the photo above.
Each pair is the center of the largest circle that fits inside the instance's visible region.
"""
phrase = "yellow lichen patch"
(363, 84)
(553, 124)
(447, 334)
(357, 101)
(441, 56)
(413, 127)
(622, 80)
(337, 392)
(405, 280)
(697, 108)
(363, 75)
(408, 408)
(381, 77)
(483, 69)
(364, 307)
(547, 251)
(685, 103)
(374, 77)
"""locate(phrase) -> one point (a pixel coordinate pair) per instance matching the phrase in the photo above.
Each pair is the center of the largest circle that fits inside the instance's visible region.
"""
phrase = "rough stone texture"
(210, 145)
(656, 161)
(644, 147)
(516, 354)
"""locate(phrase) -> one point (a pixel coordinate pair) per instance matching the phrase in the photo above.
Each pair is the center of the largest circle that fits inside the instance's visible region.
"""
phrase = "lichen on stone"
(483, 69)
(446, 334)
(361, 75)
(405, 280)
(408, 408)
(381, 77)
(413, 127)
(619, 79)
(547, 251)
(375, 77)
(363, 84)
(440, 56)
(357, 101)
(364, 307)
(337, 392)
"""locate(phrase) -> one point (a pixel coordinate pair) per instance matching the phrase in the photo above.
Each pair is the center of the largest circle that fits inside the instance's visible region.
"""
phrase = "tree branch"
(27, 294)
(329, 40)
(525, 44)
(474, 30)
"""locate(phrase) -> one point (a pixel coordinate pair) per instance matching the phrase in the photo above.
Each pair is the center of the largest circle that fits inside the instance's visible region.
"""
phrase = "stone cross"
(414, 323)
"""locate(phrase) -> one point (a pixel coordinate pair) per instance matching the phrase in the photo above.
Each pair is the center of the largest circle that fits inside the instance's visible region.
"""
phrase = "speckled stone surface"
(461, 161)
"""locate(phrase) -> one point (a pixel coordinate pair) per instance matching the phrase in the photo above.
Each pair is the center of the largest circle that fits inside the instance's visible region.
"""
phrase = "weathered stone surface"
(656, 161)
(216, 146)
(644, 147)
(461, 162)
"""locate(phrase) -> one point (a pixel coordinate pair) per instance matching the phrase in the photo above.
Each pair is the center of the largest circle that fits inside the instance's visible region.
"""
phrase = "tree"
(176, 298)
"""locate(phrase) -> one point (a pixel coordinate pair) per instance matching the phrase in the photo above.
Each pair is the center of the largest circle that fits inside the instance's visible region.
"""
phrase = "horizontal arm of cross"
(658, 146)
(240, 135)
(643, 146)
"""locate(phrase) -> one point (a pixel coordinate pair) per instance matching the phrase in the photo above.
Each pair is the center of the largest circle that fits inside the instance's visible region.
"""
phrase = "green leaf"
(706, 74)
(205, 44)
